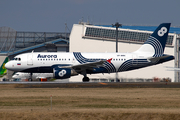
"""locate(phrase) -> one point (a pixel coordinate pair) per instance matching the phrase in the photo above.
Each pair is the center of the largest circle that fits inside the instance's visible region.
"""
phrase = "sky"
(51, 15)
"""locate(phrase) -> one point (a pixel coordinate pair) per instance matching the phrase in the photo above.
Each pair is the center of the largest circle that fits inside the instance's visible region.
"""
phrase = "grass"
(89, 103)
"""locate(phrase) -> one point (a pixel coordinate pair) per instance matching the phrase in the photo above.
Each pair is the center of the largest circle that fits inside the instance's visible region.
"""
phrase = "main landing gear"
(85, 79)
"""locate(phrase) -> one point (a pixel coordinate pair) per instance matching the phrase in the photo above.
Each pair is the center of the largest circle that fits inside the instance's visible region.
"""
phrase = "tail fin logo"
(156, 43)
(162, 31)
(3, 67)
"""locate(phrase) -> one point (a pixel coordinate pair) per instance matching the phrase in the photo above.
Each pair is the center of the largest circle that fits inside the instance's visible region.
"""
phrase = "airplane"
(2, 68)
(20, 75)
(65, 65)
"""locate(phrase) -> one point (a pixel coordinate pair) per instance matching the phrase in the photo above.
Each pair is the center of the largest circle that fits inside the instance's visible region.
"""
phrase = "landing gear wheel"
(85, 79)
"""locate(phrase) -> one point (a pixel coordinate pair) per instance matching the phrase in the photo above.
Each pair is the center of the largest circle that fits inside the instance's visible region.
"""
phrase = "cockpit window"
(17, 59)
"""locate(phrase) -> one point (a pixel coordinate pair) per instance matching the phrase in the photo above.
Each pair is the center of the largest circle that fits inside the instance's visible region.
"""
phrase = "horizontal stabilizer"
(155, 59)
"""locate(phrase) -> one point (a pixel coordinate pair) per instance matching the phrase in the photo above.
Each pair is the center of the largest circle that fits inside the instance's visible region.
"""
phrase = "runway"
(92, 84)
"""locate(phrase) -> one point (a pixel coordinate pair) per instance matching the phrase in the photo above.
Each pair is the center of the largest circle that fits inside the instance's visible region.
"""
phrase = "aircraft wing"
(89, 66)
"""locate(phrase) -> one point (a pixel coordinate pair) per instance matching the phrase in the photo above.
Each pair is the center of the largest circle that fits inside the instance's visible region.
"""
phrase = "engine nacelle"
(63, 73)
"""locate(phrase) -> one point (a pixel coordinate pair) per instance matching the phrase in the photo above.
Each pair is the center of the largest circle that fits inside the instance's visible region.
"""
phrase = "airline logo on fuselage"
(46, 56)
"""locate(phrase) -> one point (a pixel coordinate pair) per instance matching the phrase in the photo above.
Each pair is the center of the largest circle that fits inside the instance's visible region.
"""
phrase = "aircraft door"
(73, 60)
(30, 59)
(134, 60)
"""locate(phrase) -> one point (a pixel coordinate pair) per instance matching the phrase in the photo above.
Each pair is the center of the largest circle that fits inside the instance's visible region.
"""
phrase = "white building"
(90, 38)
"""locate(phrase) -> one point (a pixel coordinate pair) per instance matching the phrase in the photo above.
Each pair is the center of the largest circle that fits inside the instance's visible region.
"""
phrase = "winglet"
(109, 60)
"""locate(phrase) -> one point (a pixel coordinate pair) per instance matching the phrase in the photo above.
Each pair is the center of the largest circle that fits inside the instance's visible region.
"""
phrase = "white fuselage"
(48, 59)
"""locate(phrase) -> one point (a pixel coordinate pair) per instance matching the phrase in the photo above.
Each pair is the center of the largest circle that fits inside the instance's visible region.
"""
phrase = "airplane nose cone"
(7, 65)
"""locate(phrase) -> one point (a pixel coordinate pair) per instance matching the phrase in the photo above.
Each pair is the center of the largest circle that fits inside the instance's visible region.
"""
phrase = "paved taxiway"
(93, 85)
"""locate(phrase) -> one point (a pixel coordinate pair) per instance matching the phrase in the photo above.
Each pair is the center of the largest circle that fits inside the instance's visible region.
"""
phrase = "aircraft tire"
(85, 79)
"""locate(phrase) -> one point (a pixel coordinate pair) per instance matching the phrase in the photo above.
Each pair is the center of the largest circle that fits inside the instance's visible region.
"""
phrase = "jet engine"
(63, 73)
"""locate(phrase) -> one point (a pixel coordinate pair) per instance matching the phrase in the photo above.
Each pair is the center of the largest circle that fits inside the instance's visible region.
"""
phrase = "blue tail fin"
(155, 44)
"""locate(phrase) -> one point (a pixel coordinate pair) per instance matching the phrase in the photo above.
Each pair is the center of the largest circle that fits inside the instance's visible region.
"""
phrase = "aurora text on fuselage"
(46, 56)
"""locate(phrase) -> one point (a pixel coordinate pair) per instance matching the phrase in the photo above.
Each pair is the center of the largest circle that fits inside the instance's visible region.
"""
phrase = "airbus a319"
(65, 65)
